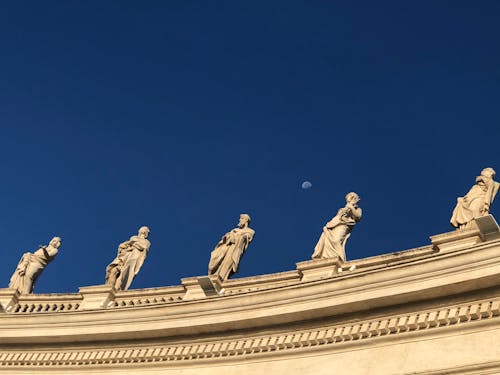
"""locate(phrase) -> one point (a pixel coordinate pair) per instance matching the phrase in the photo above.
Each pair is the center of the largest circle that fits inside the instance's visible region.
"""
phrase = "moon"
(306, 185)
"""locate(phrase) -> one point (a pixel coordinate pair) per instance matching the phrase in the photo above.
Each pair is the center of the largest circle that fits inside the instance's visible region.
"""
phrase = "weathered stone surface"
(476, 203)
(332, 242)
(226, 256)
(129, 260)
(31, 266)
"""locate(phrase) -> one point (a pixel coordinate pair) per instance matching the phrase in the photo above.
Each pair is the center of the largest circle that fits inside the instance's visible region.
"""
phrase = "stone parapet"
(47, 303)
(148, 297)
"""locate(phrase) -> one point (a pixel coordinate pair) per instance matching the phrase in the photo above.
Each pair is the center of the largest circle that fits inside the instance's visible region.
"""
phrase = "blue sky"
(182, 115)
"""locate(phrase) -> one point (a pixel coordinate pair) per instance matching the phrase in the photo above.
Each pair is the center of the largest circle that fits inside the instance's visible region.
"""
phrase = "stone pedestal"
(8, 298)
(201, 287)
(485, 229)
(456, 240)
(96, 296)
(488, 227)
(318, 269)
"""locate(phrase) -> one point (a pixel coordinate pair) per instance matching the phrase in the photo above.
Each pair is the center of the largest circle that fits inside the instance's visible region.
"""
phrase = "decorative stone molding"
(32, 308)
(46, 303)
(147, 297)
(264, 344)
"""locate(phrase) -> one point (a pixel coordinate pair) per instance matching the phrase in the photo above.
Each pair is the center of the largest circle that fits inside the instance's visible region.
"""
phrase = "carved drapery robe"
(225, 258)
(475, 203)
(332, 241)
(131, 255)
(29, 268)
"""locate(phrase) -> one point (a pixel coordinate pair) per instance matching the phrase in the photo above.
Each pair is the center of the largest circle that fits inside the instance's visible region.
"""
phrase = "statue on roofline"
(331, 244)
(476, 203)
(31, 266)
(129, 260)
(225, 258)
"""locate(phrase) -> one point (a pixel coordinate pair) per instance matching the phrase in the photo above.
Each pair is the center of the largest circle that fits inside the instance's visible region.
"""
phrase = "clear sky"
(181, 115)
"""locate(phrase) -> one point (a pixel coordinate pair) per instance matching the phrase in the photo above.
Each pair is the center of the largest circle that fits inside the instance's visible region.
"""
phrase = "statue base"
(8, 298)
(202, 287)
(96, 296)
(318, 269)
(484, 229)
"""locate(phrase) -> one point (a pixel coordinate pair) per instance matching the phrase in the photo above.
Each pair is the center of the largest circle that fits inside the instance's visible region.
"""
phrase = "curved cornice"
(473, 316)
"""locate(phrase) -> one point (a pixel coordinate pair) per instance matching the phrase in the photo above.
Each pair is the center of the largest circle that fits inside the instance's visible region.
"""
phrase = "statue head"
(144, 232)
(352, 197)
(244, 220)
(488, 172)
(55, 242)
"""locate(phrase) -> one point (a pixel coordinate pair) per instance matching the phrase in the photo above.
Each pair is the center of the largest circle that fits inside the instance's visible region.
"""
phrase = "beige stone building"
(429, 310)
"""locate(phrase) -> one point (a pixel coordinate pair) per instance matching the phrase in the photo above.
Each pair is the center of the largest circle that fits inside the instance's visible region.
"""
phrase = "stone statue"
(226, 256)
(129, 260)
(331, 244)
(31, 266)
(476, 203)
